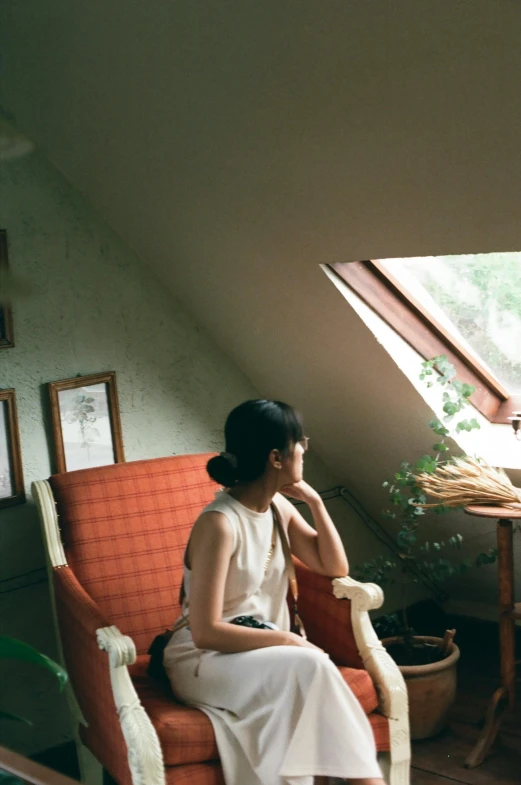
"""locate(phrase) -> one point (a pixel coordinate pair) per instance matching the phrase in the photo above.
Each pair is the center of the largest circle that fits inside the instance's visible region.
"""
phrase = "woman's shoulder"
(222, 502)
(220, 514)
(213, 527)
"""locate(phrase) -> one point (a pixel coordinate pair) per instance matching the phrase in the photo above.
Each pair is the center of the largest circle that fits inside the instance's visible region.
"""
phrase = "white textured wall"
(95, 306)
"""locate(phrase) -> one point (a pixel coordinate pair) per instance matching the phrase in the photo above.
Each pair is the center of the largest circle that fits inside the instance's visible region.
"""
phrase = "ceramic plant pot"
(431, 689)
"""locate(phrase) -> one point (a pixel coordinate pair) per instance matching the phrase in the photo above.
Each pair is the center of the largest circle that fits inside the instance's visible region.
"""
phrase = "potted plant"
(427, 663)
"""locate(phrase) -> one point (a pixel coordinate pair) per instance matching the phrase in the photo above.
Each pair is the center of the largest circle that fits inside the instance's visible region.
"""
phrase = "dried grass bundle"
(468, 481)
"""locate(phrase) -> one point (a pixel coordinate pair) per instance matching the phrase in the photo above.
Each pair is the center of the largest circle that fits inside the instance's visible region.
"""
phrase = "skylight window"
(466, 307)
(476, 299)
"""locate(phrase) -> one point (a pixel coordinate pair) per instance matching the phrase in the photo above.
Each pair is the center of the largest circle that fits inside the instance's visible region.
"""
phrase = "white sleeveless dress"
(281, 714)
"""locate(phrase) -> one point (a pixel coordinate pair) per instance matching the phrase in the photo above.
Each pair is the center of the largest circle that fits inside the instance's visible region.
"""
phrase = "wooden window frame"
(382, 292)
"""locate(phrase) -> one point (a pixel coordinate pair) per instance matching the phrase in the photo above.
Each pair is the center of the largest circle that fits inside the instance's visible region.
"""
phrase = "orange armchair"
(115, 539)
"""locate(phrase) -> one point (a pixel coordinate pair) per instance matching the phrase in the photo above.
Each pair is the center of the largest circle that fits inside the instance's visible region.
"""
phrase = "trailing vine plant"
(418, 558)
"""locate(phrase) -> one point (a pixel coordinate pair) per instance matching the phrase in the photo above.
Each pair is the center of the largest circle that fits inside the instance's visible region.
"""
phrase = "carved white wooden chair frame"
(144, 751)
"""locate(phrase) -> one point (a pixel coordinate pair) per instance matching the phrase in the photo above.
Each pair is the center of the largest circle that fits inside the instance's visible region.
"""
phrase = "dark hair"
(252, 430)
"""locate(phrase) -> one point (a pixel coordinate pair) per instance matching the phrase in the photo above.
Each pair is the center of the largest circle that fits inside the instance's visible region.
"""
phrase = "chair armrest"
(335, 614)
(368, 596)
(76, 602)
(386, 676)
(85, 611)
(119, 732)
(327, 621)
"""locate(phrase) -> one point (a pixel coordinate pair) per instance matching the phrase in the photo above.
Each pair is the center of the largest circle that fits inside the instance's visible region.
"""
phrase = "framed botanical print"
(11, 474)
(85, 422)
(6, 317)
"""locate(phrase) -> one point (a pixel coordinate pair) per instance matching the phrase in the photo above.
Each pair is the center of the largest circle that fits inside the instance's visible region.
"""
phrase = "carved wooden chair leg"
(493, 718)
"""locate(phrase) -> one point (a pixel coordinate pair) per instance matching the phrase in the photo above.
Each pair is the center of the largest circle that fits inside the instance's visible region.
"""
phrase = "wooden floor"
(439, 761)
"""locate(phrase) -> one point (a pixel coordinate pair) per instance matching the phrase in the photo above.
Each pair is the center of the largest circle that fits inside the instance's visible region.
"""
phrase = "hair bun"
(221, 470)
(230, 457)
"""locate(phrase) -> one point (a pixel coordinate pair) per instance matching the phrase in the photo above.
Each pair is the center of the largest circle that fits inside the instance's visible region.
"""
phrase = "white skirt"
(281, 714)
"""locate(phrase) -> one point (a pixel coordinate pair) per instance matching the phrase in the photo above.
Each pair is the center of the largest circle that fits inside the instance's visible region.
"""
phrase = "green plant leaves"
(375, 571)
(408, 499)
(388, 625)
(455, 541)
(6, 715)
(13, 649)
(440, 447)
(489, 557)
(450, 408)
(467, 425)
(426, 464)
(406, 538)
(438, 428)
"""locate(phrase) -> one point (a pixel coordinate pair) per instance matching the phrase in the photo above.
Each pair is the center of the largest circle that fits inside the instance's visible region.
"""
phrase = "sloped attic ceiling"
(237, 145)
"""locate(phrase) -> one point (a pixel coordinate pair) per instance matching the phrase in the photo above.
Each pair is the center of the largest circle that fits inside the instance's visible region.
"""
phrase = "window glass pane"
(478, 298)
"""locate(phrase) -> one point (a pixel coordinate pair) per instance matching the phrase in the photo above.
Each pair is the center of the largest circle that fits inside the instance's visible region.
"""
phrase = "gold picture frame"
(11, 473)
(86, 422)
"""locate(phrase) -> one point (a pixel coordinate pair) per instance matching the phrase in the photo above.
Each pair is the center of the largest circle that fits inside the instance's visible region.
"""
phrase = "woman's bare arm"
(210, 550)
(322, 549)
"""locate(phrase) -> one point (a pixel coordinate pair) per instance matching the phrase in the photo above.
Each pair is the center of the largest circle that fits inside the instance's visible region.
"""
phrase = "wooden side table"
(504, 697)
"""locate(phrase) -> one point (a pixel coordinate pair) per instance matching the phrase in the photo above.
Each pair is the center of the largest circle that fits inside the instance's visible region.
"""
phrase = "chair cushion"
(361, 686)
(209, 773)
(186, 734)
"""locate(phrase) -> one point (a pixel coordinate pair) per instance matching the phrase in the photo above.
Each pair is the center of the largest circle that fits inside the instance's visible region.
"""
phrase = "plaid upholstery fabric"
(326, 619)
(125, 528)
(362, 687)
(380, 726)
(198, 774)
(88, 669)
(186, 733)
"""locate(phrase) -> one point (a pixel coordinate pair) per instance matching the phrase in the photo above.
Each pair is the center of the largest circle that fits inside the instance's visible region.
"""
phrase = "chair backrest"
(124, 528)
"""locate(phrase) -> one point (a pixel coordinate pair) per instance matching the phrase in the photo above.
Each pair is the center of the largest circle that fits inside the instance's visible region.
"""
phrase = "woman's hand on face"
(301, 491)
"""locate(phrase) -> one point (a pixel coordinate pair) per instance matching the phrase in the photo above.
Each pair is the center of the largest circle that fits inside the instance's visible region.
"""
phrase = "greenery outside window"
(467, 307)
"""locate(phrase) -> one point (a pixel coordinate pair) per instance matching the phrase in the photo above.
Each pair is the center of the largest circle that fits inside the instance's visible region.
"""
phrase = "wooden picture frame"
(11, 472)
(76, 405)
(6, 316)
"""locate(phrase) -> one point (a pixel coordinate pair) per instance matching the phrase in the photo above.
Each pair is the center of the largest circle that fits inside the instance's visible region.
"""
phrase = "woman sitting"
(280, 709)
